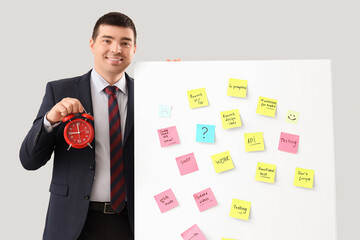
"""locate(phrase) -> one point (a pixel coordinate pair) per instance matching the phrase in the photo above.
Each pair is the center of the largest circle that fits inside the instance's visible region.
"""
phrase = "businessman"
(92, 189)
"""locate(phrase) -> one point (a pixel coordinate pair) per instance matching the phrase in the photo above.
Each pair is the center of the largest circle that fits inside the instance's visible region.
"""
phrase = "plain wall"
(47, 40)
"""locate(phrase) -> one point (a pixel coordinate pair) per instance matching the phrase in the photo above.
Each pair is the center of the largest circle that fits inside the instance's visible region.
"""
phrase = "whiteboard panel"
(279, 210)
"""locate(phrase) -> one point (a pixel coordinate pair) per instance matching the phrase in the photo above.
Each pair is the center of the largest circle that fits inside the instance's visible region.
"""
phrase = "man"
(92, 189)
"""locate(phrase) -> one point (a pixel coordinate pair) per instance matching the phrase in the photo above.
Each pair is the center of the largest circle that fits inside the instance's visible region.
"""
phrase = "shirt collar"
(100, 83)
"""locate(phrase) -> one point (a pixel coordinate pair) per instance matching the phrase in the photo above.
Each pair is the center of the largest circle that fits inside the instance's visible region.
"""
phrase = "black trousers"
(100, 226)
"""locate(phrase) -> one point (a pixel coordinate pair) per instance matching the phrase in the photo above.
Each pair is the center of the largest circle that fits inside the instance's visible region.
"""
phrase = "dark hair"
(114, 19)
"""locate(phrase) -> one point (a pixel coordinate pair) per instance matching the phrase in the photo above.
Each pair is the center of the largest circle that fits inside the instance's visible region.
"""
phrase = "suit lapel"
(83, 92)
(130, 108)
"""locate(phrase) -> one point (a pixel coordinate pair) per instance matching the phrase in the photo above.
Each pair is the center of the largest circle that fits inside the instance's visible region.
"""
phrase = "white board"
(279, 210)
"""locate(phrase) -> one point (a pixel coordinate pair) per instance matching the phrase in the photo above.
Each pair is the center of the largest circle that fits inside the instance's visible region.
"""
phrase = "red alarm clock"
(78, 133)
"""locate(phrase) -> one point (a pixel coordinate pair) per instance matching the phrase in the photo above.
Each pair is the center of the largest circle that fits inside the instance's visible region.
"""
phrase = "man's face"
(113, 50)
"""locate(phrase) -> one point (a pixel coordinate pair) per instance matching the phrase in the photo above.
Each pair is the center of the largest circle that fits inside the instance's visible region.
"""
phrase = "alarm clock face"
(78, 133)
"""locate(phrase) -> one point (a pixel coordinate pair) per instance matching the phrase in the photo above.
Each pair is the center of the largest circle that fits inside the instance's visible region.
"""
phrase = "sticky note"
(168, 136)
(304, 178)
(193, 233)
(227, 239)
(266, 106)
(187, 164)
(164, 111)
(288, 142)
(254, 142)
(292, 116)
(237, 87)
(205, 133)
(222, 162)
(197, 98)
(240, 209)
(265, 172)
(205, 199)
(230, 119)
(166, 200)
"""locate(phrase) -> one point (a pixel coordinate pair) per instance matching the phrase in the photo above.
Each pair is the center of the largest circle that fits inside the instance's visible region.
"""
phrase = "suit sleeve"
(38, 144)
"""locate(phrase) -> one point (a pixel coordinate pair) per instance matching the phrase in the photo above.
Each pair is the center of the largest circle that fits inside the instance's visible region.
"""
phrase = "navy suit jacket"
(73, 170)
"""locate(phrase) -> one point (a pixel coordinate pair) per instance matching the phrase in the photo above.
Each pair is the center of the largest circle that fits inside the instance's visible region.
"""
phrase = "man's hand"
(63, 108)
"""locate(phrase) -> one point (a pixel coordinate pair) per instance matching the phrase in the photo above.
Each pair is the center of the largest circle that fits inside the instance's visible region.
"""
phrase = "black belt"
(104, 207)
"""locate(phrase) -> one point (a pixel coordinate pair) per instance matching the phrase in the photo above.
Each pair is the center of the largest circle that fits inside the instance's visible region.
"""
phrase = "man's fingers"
(63, 108)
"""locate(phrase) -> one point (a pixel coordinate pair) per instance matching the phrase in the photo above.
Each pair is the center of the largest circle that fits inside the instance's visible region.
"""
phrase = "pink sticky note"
(205, 199)
(166, 200)
(168, 136)
(288, 142)
(187, 164)
(193, 233)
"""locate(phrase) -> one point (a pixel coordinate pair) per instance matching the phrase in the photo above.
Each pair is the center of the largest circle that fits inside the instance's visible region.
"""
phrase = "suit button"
(92, 167)
(86, 197)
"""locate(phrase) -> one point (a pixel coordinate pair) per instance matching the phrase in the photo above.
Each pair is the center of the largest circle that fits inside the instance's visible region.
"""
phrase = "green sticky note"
(240, 209)
(237, 87)
(197, 98)
(265, 172)
(222, 162)
(266, 106)
(254, 142)
(292, 116)
(304, 178)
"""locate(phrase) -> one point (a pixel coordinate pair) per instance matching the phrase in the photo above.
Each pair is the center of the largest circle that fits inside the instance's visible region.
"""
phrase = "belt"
(104, 207)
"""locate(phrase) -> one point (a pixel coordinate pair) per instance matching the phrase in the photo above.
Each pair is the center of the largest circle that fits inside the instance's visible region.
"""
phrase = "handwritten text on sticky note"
(222, 162)
(254, 142)
(187, 164)
(205, 133)
(168, 136)
(240, 209)
(193, 233)
(197, 98)
(304, 178)
(237, 87)
(164, 111)
(266, 106)
(205, 199)
(265, 172)
(166, 200)
(288, 142)
(230, 119)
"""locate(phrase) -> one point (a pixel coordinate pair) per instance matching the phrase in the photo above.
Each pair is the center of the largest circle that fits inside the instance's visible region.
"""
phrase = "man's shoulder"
(70, 80)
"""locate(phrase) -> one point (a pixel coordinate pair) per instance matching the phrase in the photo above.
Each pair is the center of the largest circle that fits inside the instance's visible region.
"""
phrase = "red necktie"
(116, 152)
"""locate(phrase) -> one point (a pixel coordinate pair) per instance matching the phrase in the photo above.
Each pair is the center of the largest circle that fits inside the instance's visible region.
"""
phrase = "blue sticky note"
(205, 133)
(164, 111)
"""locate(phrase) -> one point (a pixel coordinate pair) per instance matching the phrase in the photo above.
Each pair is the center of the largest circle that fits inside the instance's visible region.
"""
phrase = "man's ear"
(92, 42)
(134, 48)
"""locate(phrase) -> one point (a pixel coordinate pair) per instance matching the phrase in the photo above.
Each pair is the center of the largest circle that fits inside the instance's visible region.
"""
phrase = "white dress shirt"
(101, 187)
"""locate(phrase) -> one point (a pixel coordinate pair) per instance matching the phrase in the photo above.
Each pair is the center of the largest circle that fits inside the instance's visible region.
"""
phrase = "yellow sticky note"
(222, 162)
(230, 119)
(266, 106)
(237, 87)
(254, 142)
(304, 178)
(265, 172)
(197, 98)
(240, 209)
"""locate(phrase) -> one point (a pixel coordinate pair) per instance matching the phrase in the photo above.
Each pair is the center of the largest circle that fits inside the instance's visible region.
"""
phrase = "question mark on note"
(206, 130)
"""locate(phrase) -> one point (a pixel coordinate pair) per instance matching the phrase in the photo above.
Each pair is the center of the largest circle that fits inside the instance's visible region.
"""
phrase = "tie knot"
(111, 90)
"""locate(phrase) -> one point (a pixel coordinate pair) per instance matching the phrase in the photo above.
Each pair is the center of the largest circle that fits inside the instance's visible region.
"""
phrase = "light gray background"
(47, 40)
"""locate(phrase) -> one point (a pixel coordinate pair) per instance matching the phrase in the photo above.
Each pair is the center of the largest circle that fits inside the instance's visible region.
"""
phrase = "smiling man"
(92, 188)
